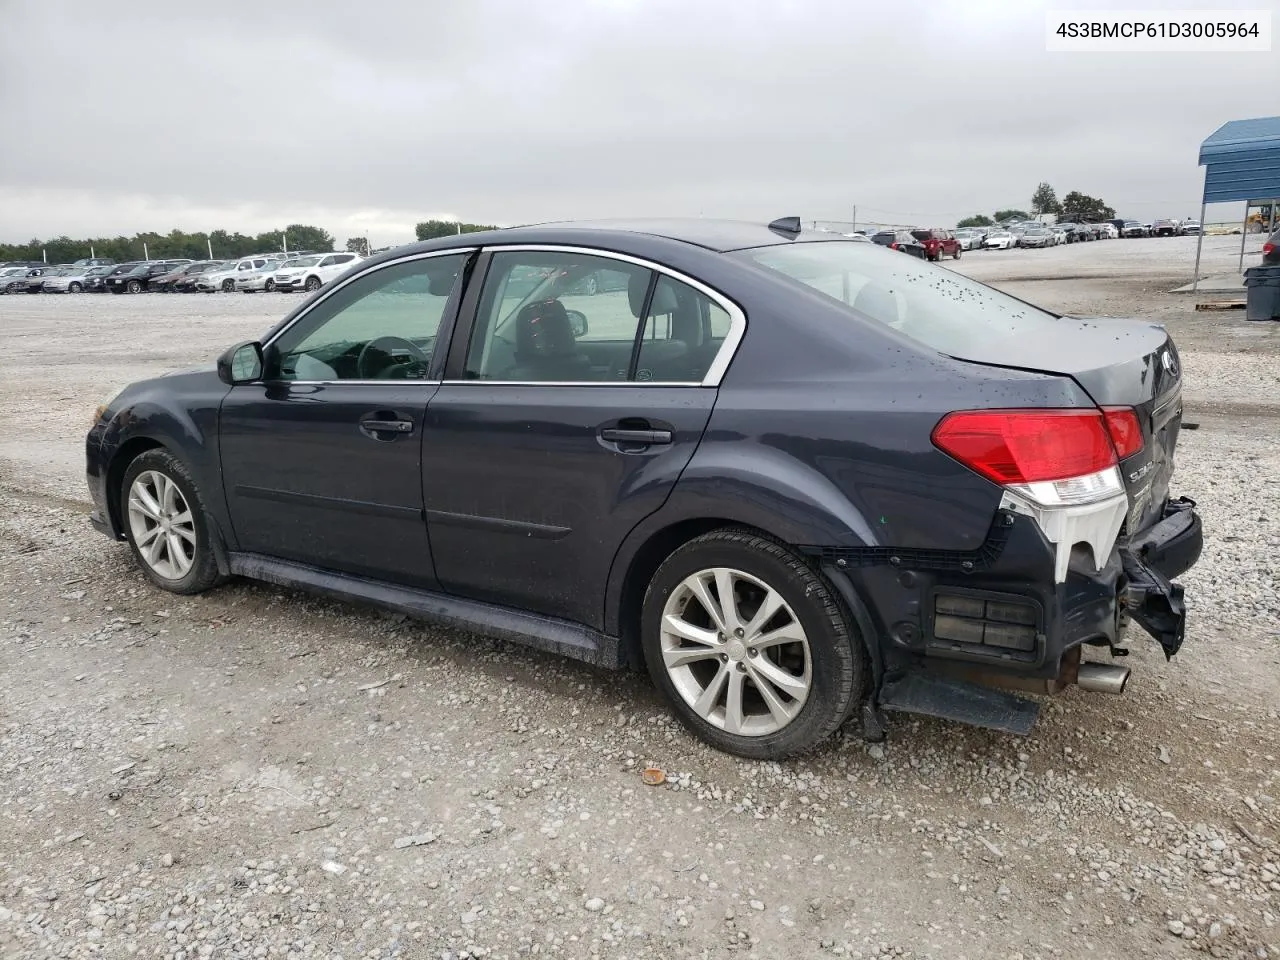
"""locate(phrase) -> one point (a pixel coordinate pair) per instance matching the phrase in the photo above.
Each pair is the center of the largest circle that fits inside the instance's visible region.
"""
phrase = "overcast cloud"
(367, 117)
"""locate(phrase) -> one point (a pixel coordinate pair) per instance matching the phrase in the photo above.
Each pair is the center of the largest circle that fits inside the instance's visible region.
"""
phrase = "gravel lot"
(255, 773)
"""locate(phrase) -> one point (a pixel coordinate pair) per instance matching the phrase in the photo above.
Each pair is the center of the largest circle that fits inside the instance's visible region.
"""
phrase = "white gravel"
(230, 776)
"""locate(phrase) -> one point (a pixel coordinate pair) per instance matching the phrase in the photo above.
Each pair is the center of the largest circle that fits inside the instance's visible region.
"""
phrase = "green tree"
(358, 245)
(1001, 215)
(977, 220)
(430, 229)
(1080, 207)
(1044, 200)
(304, 237)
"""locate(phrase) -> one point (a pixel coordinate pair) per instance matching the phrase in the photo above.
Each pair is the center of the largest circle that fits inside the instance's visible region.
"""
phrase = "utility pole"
(854, 228)
(209, 242)
(145, 254)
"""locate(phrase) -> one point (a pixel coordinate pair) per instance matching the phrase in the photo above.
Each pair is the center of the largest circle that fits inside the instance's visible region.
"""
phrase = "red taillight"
(893, 246)
(1268, 249)
(1125, 430)
(1027, 446)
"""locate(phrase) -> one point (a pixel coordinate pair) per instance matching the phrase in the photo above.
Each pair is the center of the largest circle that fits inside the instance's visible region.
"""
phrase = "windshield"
(303, 262)
(97, 271)
(942, 310)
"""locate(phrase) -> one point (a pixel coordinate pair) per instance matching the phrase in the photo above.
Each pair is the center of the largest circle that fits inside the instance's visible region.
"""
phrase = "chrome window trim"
(715, 372)
(426, 255)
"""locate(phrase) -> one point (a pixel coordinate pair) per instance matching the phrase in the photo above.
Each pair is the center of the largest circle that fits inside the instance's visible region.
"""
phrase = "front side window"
(943, 310)
(381, 326)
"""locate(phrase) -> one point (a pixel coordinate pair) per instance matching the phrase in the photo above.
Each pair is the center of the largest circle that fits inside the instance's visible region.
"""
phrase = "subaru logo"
(1170, 364)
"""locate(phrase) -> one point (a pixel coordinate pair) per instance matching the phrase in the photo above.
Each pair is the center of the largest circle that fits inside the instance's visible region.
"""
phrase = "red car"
(938, 243)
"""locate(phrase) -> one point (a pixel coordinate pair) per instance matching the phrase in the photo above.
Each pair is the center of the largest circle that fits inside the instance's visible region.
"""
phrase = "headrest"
(543, 330)
(877, 302)
(664, 295)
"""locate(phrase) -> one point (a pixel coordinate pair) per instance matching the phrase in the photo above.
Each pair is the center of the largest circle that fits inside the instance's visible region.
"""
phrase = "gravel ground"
(256, 773)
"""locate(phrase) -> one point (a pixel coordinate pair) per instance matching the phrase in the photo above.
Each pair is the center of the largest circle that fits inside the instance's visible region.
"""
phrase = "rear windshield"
(944, 311)
(922, 234)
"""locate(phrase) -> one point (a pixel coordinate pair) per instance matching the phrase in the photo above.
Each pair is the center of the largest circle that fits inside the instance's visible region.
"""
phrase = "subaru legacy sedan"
(797, 478)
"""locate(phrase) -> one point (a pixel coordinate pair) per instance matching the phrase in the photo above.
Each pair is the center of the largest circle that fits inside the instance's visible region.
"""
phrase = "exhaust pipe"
(1102, 677)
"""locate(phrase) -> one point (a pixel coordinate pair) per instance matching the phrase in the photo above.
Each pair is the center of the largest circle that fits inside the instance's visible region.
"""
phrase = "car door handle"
(620, 435)
(372, 426)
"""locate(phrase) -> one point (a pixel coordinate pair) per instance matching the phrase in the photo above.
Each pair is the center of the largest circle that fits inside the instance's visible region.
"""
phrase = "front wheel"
(269, 285)
(750, 646)
(165, 524)
(134, 286)
(956, 255)
(313, 284)
(228, 286)
(74, 288)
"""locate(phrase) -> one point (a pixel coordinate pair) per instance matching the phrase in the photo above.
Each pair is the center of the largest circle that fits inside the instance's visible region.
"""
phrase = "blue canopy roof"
(1242, 161)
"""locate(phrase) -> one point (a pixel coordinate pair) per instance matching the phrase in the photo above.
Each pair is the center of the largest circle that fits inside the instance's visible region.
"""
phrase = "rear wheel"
(134, 286)
(956, 255)
(165, 524)
(750, 646)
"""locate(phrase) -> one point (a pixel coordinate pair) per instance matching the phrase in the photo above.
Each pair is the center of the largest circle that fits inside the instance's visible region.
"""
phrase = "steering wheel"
(388, 353)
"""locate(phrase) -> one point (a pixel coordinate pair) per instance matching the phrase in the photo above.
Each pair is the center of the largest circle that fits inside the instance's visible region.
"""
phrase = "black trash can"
(1262, 292)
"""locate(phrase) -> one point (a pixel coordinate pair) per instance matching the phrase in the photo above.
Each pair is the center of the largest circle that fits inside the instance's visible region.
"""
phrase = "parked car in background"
(224, 278)
(1132, 228)
(98, 283)
(783, 545)
(969, 238)
(1037, 237)
(1165, 228)
(12, 276)
(1070, 230)
(262, 279)
(20, 279)
(901, 240)
(1191, 227)
(36, 275)
(1060, 233)
(186, 283)
(313, 272)
(1271, 250)
(938, 243)
(167, 282)
(75, 279)
(138, 279)
(999, 240)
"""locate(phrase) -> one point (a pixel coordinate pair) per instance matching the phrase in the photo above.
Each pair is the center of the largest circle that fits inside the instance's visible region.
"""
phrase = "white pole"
(209, 241)
(145, 254)
(284, 238)
(92, 255)
(1244, 233)
(458, 232)
(45, 253)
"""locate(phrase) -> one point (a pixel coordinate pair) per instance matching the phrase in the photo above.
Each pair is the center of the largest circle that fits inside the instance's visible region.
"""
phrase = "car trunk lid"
(1117, 363)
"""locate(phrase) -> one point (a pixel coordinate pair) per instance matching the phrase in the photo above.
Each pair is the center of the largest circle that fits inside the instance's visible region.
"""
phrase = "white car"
(262, 278)
(968, 238)
(313, 272)
(1000, 240)
(1110, 230)
(225, 279)
(1059, 234)
(72, 279)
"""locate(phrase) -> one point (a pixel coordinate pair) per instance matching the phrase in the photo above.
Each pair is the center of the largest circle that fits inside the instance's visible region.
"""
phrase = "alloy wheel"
(736, 652)
(162, 525)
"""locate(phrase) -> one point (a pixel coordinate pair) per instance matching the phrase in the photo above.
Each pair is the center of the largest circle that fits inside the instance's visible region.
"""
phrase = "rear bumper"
(1000, 609)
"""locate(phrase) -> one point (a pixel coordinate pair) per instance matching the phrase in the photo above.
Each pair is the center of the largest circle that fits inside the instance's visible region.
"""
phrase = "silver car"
(261, 279)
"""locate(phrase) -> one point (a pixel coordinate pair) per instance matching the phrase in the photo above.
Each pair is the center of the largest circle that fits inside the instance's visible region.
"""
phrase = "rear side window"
(942, 310)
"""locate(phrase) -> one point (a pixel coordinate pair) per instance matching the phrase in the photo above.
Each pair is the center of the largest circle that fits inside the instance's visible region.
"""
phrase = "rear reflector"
(1125, 430)
(1028, 446)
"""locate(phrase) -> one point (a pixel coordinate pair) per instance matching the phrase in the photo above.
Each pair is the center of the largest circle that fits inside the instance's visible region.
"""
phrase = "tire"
(591, 286)
(74, 288)
(312, 284)
(228, 285)
(156, 472)
(134, 286)
(956, 255)
(828, 653)
(269, 285)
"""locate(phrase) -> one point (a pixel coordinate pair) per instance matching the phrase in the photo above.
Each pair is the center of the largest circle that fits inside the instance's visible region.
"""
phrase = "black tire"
(228, 285)
(270, 285)
(956, 255)
(134, 286)
(204, 568)
(312, 284)
(836, 652)
(74, 288)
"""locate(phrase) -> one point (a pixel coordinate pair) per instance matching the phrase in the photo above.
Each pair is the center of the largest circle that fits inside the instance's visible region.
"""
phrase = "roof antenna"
(787, 226)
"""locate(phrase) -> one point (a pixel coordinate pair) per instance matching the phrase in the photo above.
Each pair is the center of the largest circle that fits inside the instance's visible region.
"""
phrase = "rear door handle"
(619, 435)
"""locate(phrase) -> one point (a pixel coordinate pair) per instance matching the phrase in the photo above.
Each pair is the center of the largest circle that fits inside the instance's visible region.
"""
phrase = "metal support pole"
(1195, 284)
(1244, 233)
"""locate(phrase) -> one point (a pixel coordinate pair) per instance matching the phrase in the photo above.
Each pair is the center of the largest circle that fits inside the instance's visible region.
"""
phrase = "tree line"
(1075, 207)
(173, 245)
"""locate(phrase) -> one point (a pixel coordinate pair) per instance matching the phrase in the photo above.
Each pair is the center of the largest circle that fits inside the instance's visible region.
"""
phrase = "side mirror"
(577, 323)
(241, 364)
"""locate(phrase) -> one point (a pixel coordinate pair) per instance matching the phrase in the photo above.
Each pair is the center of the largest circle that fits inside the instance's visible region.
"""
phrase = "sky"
(365, 118)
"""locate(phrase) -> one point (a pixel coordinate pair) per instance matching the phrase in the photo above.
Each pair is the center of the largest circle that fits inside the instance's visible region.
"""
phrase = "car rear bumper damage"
(948, 626)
